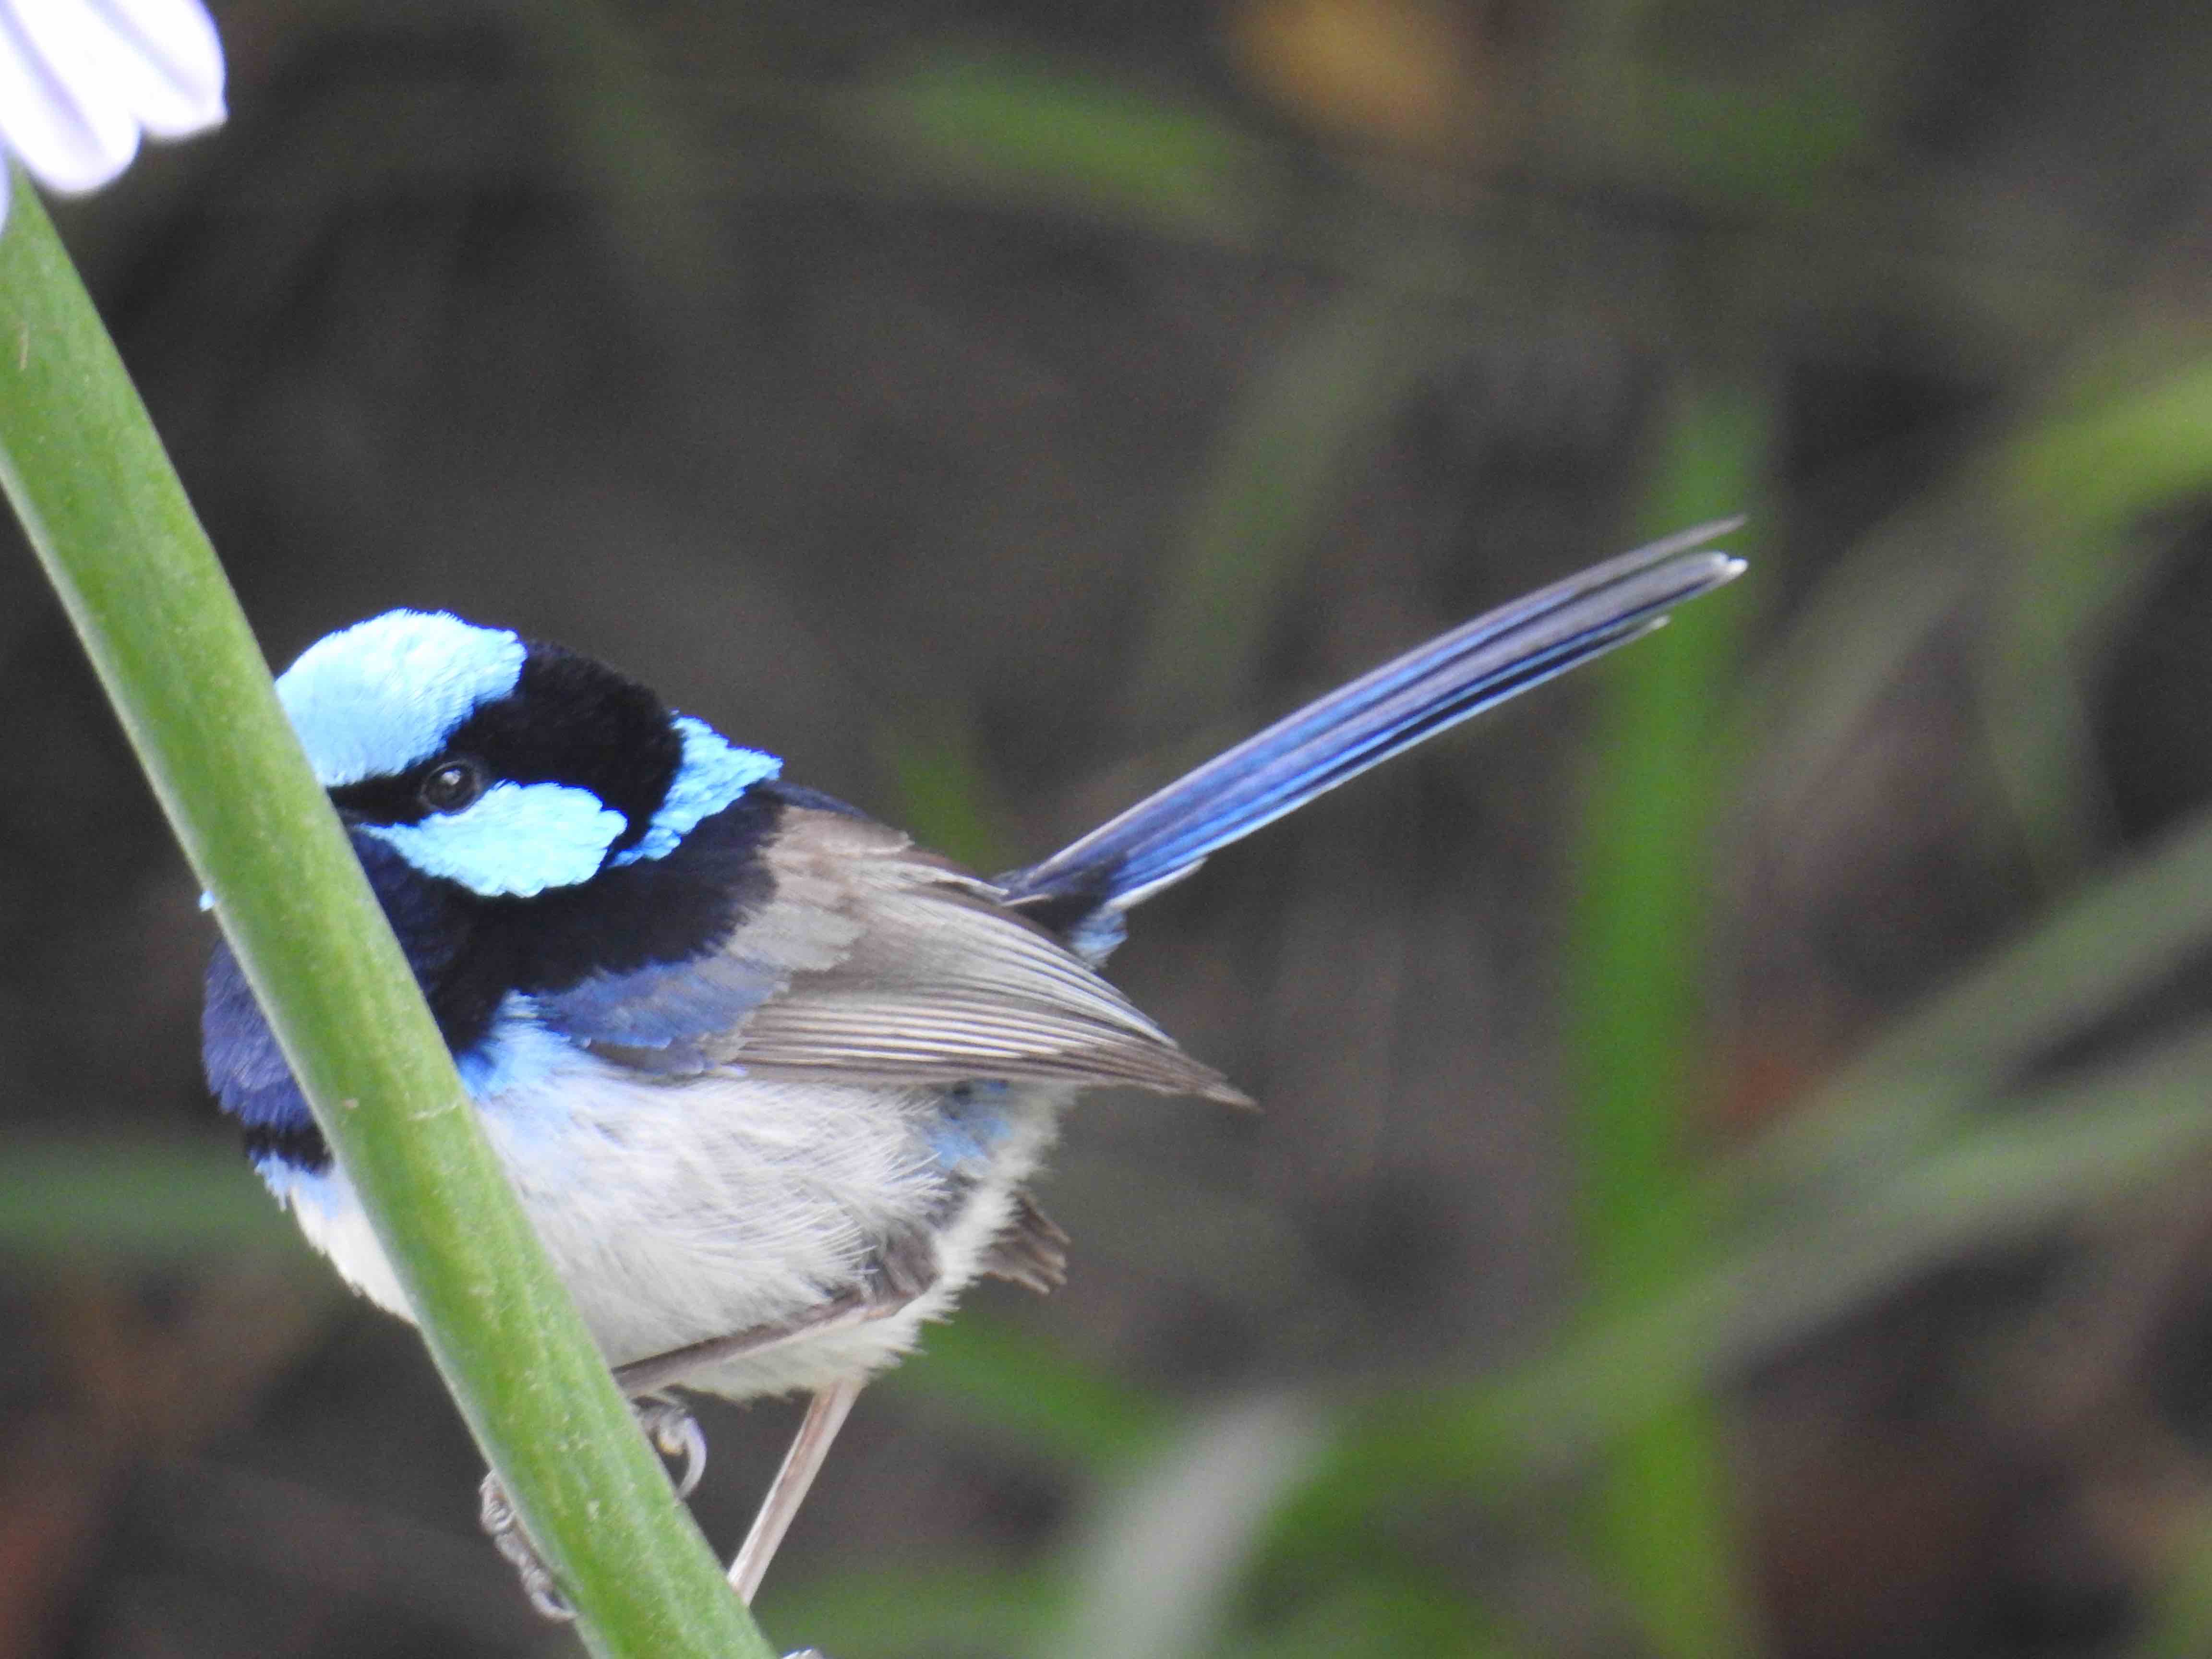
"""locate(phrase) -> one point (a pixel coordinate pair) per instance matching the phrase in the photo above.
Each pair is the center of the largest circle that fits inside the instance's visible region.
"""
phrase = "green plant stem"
(86, 474)
(1637, 1029)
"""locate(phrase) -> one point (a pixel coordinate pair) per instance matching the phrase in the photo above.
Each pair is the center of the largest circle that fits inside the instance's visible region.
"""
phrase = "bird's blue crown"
(380, 696)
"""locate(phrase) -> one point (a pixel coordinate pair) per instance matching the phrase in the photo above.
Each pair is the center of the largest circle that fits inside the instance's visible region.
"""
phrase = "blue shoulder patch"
(372, 700)
(673, 1018)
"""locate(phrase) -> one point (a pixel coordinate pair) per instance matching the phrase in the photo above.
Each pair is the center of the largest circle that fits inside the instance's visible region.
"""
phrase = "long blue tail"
(1083, 887)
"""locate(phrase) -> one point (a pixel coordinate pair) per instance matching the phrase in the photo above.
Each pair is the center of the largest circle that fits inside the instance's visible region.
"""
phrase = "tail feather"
(1473, 667)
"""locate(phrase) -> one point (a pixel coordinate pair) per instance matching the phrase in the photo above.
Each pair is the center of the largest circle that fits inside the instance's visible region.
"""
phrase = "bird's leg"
(904, 1267)
(642, 1376)
(673, 1429)
(825, 1415)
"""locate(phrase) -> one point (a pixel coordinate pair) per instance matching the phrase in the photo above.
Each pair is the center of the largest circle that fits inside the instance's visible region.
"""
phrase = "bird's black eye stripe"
(380, 800)
(447, 784)
(452, 785)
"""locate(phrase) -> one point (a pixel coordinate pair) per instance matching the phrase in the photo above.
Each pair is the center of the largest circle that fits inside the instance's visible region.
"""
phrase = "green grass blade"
(1635, 1039)
(1159, 1571)
(1921, 1079)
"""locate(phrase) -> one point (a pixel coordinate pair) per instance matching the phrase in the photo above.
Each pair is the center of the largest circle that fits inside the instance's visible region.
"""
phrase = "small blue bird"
(770, 1080)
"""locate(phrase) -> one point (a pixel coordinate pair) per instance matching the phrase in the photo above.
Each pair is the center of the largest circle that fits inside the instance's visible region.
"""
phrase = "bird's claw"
(675, 1433)
(495, 1513)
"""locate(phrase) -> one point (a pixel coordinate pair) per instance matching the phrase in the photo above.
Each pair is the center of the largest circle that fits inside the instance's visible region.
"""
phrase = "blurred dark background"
(1732, 1179)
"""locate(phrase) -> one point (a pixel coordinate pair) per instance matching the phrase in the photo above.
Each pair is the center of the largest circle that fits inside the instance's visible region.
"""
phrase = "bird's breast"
(680, 1211)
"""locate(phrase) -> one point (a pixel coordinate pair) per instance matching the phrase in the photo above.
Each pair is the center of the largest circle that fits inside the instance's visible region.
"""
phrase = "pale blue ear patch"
(376, 698)
(518, 839)
(714, 773)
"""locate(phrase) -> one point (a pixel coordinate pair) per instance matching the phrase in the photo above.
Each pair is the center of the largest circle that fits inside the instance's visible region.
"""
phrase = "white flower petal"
(56, 110)
(168, 61)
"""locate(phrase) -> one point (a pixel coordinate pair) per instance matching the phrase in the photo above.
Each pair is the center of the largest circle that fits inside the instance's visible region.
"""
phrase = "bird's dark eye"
(453, 785)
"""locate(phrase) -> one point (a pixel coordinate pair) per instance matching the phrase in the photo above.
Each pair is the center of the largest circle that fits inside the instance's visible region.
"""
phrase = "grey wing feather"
(938, 981)
(875, 962)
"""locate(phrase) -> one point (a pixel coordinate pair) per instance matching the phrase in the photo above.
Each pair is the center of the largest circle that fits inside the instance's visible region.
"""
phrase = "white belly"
(679, 1212)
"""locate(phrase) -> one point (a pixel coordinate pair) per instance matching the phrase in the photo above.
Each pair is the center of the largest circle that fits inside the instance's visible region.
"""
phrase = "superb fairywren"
(769, 1080)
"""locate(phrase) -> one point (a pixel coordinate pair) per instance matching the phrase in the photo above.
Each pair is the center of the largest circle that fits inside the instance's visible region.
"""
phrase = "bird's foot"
(675, 1434)
(496, 1515)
